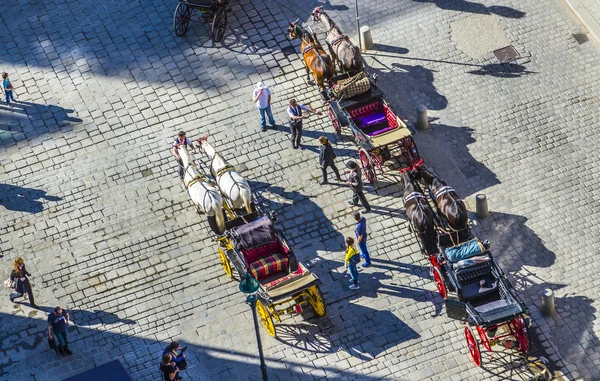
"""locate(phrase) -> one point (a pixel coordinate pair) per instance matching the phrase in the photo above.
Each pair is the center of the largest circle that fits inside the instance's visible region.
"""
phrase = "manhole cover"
(146, 172)
(581, 38)
(506, 54)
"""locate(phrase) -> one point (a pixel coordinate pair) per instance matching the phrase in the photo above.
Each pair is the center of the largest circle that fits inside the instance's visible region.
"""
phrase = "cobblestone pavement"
(90, 198)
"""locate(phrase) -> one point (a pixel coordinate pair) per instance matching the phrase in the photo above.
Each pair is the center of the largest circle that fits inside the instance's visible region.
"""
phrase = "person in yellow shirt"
(352, 259)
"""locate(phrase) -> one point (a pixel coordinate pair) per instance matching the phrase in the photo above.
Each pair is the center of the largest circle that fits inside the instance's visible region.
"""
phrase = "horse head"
(430, 178)
(317, 12)
(295, 30)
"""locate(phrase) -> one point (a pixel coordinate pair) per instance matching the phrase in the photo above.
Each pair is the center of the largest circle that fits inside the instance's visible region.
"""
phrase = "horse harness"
(339, 39)
(224, 170)
(444, 190)
(412, 196)
(195, 180)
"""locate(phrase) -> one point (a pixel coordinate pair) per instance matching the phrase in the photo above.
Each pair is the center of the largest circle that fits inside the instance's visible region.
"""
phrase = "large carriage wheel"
(316, 300)
(181, 19)
(225, 263)
(219, 23)
(367, 166)
(473, 346)
(265, 317)
(483, 337)
(334, 120)
(521, 334)
(438, 279)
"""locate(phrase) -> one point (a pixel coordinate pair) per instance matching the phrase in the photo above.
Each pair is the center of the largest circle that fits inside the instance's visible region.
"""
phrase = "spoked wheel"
(473, 346)
(438, 279)
(181, 20)
(367, 166)
(225, 263)
(336, 123)
(219, 23)
(316, 300)
(521, 334)
(265, 317)
(483, 337)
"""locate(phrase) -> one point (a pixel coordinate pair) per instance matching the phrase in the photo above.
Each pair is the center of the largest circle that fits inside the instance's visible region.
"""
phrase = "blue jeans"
(364, 252)
(9, 96)
(269, 113)
(61, 339)
(353, 272)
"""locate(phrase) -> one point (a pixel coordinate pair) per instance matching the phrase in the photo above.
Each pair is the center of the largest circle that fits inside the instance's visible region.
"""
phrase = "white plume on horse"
(231, 183)
(205, 196)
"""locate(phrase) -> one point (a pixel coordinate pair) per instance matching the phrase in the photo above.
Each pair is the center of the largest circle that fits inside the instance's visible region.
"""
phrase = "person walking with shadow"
(351, 260)
(58, 320)
(262, 97)
(327, 159)
(8, 88)
(19, 275)
(295, 112)
(355, 183)
(361, 238)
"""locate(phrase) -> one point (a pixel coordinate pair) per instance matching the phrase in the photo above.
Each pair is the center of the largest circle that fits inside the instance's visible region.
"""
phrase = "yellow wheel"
(315, 298)
(225, 262)
(265, 317)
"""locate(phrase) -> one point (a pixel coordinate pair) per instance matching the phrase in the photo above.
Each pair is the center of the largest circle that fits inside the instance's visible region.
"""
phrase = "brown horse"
(449, 203)
(315, 59)
(341, 48)
(420, 214)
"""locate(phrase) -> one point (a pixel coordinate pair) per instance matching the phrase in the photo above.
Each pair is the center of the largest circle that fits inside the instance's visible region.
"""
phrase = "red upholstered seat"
(269, 265)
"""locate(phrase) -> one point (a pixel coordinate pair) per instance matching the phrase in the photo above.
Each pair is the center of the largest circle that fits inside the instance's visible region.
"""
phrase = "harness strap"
(339, 39)
(308, 49)
(413, 195)
(226, 168)
(195, 179)
(443, 190)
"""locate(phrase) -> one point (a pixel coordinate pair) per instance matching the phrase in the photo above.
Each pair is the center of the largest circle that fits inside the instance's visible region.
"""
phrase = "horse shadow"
(502, 70)
(21, 199)
(477, 8)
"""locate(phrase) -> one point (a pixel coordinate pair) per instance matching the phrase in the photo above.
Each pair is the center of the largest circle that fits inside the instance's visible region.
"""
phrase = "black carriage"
(255, 247)
(380, 135)
(213, 11)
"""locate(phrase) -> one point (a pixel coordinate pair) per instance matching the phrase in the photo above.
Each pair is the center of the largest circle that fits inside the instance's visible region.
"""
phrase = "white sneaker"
(354, 287)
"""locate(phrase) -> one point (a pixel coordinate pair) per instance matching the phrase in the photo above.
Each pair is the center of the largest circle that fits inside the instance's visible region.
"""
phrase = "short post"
(548, 303)
(481, 206)
(422, 119)
(365, 37)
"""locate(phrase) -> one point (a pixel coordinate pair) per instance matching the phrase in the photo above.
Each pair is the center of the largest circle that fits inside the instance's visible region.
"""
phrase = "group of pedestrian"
(353, 254)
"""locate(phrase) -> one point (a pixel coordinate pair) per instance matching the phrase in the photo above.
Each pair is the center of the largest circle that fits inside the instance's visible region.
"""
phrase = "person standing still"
(361, 238)
(180, 140)
(8, 88)
(295, 112)
(262, 97)
(58, 320)
(351, 260)
(327, 158)
(20, 275)
(355, 183)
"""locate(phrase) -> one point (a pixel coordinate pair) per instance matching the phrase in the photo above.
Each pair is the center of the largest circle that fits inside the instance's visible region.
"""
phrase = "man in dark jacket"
(361, 238)
(326, 159)
(355, 183)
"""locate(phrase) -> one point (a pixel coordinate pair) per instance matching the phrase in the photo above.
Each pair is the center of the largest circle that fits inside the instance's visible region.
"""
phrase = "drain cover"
(506, 54)
(581, 38)
(146, 172)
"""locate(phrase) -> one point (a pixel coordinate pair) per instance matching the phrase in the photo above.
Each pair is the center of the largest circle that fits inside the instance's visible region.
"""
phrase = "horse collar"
(413, 195)
(443, 190)
(225, 169)
(339, 39)
(308, 49)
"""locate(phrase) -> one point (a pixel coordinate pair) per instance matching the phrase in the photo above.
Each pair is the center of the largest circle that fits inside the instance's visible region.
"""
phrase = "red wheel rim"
(439, 282)
(473, 346)
(367, 166)
(483, 337)
(521, 335)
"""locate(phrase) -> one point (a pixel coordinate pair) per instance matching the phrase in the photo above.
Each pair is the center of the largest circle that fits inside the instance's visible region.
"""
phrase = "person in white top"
(262, 97)
(295, 113)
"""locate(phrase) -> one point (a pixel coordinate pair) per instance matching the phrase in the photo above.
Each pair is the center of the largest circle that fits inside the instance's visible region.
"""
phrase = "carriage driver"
(181, 139)
(295, 113)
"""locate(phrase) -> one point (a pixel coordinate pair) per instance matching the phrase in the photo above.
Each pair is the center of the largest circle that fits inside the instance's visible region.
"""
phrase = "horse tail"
(220, 218)
(246, 195)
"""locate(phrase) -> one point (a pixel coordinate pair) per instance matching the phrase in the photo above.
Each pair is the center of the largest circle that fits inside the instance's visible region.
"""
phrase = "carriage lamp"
(249, 286)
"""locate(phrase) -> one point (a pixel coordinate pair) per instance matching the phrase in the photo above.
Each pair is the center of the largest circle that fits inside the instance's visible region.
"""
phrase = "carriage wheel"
(473, 346)
(483, 337)
(181, 20)
(521, 334)
(265, 317)
(219, 23)
(367, 166)
(439, 282)
(225, 263)
(336, 123)
(411, 152)
(316, 300)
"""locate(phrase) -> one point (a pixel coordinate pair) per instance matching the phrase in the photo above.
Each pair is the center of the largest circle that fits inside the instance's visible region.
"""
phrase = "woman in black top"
(326, 159)
(169, 369)
(19, 275)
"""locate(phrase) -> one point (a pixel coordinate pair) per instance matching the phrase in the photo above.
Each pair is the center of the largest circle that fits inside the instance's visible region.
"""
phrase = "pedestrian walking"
(355, 183)
(262, 97)
(361, 238)
(8, 88)
(351, 260)
(295, 112)
(180, 140)
(327, 159)
(58, 320)
(169, 369)
(176, 354)
(20, 276)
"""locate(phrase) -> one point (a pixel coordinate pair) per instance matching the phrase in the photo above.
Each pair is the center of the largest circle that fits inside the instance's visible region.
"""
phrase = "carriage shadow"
(21, 199)
(477, 8)
(502, 70)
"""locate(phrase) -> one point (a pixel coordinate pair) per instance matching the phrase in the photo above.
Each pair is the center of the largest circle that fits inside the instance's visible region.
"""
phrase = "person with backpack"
(327, 159)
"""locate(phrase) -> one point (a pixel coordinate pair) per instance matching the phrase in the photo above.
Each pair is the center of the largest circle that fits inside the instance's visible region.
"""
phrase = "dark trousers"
(361, 196)
(335, 170)
(61, 339)
(180, 164)
(26, 289)
(296, 133)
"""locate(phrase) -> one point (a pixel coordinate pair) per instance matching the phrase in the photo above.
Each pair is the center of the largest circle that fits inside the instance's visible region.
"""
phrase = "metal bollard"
(481, 206)
(422, 120)
(365, 38)
(548, 303)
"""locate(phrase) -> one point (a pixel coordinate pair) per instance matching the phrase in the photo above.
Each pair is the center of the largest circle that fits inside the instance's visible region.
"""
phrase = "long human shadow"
(80, 317)
(20, 199)
(502, 70)
(472, 7)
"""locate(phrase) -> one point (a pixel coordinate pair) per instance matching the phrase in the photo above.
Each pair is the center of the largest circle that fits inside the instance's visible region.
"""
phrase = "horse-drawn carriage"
(213, 11)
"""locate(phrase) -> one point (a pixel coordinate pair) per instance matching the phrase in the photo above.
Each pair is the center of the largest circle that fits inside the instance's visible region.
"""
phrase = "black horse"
(421, 215)
(450, 204)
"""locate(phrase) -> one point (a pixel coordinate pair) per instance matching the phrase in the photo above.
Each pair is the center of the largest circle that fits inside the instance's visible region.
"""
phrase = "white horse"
(206, 197)
(231, 183)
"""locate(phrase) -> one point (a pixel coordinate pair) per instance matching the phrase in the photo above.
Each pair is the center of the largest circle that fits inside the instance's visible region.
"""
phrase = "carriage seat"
(374, 118)
(266, 260)
(480, 288)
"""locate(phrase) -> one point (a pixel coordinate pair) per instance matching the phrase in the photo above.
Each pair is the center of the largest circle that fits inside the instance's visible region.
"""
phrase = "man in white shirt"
(181, 140)
(295, 114)
(262, 98)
